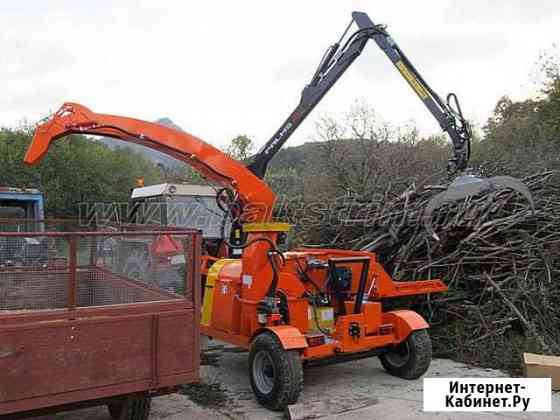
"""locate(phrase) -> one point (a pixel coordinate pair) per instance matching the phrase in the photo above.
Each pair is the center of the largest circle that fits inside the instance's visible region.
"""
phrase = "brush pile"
(500, 259)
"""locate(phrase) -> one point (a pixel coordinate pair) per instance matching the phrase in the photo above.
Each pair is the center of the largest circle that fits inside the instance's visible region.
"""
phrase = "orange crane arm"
(253, 193)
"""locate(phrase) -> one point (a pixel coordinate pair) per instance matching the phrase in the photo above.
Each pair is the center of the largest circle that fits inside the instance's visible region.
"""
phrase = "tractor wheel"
(411, 358)
(276, 374)
(131, 407)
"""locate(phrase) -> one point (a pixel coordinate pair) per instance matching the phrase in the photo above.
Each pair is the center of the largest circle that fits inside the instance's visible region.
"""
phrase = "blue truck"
(22, 204)
(22, 210)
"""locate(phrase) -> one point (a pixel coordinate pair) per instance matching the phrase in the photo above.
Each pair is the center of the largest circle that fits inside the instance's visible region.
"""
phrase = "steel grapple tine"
(514, 184)
(455, 192)
(434, 203)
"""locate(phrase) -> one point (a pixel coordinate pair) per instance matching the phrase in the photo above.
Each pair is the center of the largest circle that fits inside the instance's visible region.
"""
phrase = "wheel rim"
(399, 356)
(264, 373)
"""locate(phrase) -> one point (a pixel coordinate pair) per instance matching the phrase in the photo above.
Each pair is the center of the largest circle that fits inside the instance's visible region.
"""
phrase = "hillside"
(294, 157)
(152, 155)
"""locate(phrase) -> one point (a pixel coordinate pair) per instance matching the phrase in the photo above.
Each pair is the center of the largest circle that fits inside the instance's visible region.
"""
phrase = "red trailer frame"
(74, 332)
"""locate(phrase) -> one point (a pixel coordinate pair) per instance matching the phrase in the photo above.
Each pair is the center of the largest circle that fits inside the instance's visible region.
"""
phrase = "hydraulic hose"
(273, 250)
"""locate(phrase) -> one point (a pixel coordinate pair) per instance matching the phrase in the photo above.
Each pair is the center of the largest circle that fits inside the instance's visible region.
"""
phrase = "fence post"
(72, 287)
(195, 277)
(195, 252)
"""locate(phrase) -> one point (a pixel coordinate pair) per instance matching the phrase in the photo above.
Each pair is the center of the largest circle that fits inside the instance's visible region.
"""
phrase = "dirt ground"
(354, 390)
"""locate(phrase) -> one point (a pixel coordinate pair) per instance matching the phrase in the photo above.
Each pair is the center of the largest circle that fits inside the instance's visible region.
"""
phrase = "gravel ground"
(354, 390)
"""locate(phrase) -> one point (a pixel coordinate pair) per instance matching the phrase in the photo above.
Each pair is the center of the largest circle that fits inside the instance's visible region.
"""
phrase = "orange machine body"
(237, 294)
(235, 288)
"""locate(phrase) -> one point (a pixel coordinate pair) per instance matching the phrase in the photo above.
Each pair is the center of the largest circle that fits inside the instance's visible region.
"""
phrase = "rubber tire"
(132, 407)
(420, 357)
(287, 363)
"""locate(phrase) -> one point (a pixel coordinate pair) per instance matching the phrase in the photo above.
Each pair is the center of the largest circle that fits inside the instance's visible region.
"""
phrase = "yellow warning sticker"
(414, 83)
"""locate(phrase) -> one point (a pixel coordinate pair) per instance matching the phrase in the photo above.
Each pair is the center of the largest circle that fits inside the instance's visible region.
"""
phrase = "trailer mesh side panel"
(58, 271)
(33, 276)
(32, 290)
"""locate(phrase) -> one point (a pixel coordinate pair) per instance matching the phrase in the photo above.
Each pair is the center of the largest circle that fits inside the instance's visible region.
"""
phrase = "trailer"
(76, 332)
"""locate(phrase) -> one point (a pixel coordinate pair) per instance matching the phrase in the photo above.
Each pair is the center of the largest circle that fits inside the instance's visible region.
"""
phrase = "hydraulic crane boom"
(253, 198)
(337, 60)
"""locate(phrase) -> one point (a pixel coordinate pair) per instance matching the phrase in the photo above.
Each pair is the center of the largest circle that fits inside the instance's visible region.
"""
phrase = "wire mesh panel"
(32, 275)
(21, 225)
(58, 270)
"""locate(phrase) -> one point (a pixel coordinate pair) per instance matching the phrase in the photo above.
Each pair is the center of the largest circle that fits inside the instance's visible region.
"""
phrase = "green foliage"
(286, 181)
(524, 137)
(76, 169)
(549, 107)
(240, 147)
(183, 174)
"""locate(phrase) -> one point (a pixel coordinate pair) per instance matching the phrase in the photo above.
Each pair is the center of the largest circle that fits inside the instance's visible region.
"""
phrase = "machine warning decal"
(420, 90)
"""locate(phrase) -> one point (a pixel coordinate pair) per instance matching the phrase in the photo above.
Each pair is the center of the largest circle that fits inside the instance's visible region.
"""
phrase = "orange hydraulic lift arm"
(254, 195)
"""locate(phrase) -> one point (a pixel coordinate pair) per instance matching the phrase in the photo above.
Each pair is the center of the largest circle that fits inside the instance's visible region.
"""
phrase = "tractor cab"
(168, 205)
(183, 206)
(180, 205)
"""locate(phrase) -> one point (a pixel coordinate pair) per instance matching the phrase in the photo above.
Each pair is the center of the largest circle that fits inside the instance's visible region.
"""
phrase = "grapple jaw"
(469, 185)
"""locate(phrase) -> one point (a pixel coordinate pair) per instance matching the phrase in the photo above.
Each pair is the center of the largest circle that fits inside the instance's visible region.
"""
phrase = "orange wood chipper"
(306, 306)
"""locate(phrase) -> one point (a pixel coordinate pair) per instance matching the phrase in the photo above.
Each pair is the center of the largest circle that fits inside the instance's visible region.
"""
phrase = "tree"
(76, 169)
(549, 108)
(240, 147)
(365, 155)
(523, 137)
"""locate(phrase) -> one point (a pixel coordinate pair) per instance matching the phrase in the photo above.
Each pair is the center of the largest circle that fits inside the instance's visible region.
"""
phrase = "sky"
(223, 68)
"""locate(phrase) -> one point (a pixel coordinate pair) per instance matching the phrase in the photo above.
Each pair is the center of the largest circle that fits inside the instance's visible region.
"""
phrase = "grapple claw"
(470, 185)
(515, 184)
